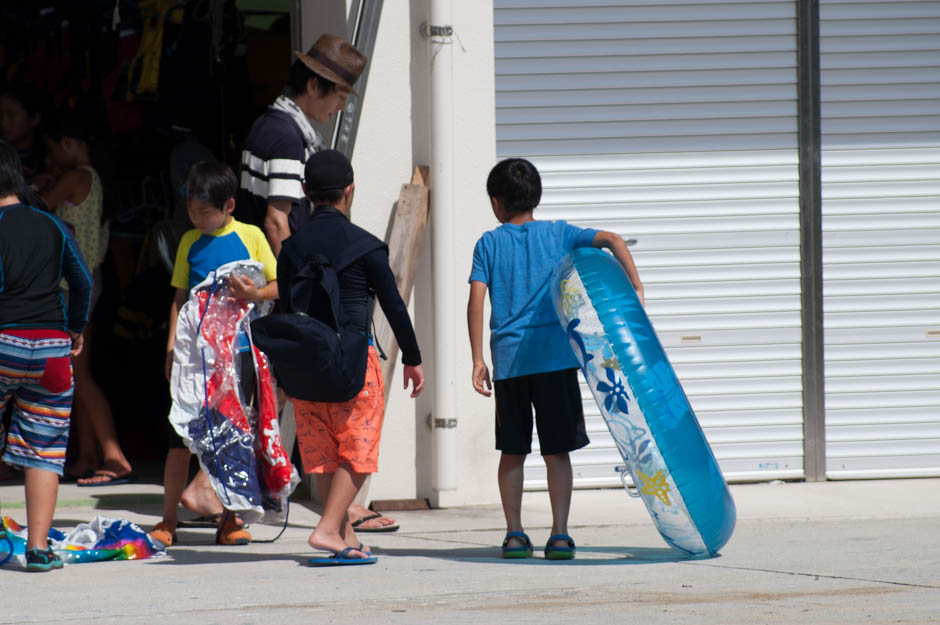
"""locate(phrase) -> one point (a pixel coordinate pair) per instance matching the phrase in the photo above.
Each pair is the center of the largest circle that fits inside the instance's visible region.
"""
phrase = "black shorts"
(559, 415)
(173, 440)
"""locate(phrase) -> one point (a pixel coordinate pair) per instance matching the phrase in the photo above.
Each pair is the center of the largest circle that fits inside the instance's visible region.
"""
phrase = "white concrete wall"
(383, 160)
(393, 137)
(475, 155)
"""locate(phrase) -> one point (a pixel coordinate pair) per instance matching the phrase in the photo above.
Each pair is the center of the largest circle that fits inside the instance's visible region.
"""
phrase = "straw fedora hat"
(335, 59)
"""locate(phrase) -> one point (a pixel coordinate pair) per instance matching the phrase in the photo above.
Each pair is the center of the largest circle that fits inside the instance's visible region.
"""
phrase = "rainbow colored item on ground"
(639, 396)
(102, 539)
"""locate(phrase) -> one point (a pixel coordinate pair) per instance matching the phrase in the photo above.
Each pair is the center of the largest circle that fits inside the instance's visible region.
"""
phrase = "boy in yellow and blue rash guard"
(217, 239)
(200, 254)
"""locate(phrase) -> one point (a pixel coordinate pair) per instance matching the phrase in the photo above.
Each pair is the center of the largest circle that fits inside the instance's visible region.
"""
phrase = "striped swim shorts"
(36, 375)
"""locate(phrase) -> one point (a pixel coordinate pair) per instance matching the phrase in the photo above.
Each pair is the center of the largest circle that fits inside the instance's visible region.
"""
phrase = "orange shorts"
(331, 434)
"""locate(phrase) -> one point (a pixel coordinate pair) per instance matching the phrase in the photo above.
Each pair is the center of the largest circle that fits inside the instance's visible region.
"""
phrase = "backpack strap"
(375, 338)
(315, 292)
(309, 277)
(341, 241)
(359, 248)
(314, 278)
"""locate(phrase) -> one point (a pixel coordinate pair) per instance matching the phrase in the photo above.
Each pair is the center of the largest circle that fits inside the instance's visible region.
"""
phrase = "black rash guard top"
(329, 228)
(36, 252)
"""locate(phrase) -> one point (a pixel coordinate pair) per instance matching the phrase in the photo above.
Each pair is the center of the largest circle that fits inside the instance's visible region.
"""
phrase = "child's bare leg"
(42, 490)
(510, 475)
(560, 481)
(95, 411)
(98, 412)
(175, 472)
(82, 435)
(334, 532)
(200, 497)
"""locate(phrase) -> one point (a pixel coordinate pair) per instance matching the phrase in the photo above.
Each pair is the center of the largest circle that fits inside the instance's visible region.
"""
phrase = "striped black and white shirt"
(273, 169)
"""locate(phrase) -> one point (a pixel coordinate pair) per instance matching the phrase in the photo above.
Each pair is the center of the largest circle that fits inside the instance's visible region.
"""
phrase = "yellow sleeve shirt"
(199, 254)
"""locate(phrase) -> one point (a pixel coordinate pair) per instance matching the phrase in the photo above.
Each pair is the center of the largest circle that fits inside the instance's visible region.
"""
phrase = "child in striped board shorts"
(37, 336)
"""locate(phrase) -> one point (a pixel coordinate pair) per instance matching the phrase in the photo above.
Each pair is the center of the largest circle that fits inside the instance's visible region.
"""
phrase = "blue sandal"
(341, 559)
(559, 553)
(525, 551)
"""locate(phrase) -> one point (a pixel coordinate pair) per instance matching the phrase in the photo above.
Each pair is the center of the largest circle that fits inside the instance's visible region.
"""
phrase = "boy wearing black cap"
(280, 142)
(339, 441)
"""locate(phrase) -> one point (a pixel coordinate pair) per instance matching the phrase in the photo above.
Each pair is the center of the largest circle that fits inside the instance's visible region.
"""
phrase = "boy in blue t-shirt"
(532, 362)
(216, 240)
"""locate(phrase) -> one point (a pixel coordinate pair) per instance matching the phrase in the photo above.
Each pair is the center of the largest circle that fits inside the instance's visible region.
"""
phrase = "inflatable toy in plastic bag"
(224, 402)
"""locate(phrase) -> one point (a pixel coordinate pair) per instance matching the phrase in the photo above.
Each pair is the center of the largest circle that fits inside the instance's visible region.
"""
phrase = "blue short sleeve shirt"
(516, 264)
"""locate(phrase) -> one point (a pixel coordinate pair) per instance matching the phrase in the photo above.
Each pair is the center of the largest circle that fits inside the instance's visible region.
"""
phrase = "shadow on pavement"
(187, 556)
(586, 556)
(142, 503)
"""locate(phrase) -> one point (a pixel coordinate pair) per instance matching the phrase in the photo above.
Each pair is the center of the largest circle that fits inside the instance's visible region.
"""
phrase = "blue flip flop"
(127, 478)
(340, 559)
(525, 551)
(559, 553)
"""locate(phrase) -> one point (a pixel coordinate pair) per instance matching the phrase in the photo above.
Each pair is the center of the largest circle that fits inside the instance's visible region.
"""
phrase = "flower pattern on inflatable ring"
(572, 297)
(616, 393)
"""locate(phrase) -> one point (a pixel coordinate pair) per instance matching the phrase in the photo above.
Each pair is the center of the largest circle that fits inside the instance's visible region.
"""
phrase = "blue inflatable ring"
(639, 396)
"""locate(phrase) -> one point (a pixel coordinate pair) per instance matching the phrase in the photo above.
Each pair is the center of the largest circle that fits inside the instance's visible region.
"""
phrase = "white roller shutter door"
(675, 124)
(880, 75)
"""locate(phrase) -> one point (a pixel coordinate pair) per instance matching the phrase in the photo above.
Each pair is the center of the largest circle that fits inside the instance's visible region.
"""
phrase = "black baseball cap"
(327, 170)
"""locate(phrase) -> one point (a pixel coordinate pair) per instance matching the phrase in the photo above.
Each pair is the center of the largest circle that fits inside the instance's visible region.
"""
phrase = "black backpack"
(315, 356)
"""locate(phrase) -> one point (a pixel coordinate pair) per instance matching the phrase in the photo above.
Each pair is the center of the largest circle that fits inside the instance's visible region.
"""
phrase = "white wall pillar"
(439, 30)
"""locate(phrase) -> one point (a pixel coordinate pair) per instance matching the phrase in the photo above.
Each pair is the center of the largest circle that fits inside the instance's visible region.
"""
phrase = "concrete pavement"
(821, 553)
